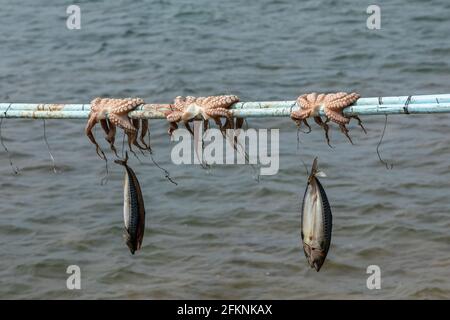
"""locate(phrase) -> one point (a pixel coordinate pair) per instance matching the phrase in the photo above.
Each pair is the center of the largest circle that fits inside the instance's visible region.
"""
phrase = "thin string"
(135, 155)
(405, 108)
(149, 140)
(306, 167)
(166, 173)
(150, 151)
(105, 178)
(14, 169)
(233, 141)
(388, 166)
(48, 148)
(123, 143)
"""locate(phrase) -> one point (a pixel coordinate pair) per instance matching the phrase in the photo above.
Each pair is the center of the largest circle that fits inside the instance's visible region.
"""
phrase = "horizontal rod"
(437, 98)
(244, 113)
(364, 106)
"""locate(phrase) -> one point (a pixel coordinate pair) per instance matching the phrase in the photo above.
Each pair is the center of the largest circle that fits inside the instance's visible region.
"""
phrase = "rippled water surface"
(220, 234)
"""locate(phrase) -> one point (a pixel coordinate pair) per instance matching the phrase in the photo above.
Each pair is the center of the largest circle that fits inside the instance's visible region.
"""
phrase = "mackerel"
(316, 220)
(133, 208)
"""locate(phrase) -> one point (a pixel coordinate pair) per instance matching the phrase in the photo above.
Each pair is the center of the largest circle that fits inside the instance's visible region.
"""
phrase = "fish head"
(131, 246)
(315, 257)
(129, 241)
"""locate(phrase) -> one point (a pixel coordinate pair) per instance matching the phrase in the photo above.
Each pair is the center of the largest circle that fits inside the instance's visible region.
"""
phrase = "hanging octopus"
(333, 104)
(186, 109)
(112, 113)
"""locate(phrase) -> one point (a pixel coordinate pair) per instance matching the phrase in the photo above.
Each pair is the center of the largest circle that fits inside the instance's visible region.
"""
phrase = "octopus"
(186, 109)
(333, 104)
(113, 113)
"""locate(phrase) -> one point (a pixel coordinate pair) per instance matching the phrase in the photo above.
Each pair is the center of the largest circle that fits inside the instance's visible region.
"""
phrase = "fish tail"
(124, 161)
(315, 166)
(314, 169)
(315, 172)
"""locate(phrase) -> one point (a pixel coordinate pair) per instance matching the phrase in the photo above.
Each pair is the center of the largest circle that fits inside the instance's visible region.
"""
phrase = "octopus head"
(191, 111)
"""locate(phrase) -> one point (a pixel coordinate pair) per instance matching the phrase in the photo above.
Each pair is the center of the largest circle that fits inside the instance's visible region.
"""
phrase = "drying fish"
(333, 106)
(316, 220)
(133, 208)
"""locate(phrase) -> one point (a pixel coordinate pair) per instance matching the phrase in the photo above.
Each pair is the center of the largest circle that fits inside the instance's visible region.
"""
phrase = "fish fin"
(320, 174)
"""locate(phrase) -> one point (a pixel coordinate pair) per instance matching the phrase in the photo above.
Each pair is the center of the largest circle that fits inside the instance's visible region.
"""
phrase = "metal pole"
(424, 104)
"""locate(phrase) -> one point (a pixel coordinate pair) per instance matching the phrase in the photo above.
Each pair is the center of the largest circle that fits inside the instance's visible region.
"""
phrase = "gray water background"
(220, 234)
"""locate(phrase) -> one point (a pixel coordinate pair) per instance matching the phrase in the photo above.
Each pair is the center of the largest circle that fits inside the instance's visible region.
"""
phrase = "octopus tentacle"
(121, 121)
(134, 134)
(144, 133)
(300, 114)
(173, 117)
(345, 131)
(307, 125)
(217, 102)
(325, 127)
(333, 96)
(229, 123)
(172, 127)
(179, 103)
(205, 125)
(239, 122)
(219, 124)
(105, 126)
(125, 105)
(88, 130)
(221, 112)
(359, 123)
(333, 105)
(111, 137)
(136, 123)
(341, 100)
(188, 127)
(336, 117)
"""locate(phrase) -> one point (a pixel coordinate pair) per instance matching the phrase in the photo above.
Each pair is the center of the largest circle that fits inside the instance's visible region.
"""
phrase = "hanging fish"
(133, 208)
(316, 220)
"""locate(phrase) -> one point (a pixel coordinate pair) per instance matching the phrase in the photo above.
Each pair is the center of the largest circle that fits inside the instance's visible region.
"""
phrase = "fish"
(133, 208)
(316, 220)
